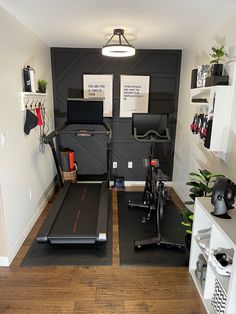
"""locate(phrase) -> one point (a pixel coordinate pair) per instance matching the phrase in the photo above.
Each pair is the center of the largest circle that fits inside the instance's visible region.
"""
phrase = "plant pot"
(42, 89)
(216, 69)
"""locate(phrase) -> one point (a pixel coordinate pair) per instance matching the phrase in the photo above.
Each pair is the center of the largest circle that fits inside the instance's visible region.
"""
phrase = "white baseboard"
(139, 183)
(179, 192)
(6, 261)
(134, 183)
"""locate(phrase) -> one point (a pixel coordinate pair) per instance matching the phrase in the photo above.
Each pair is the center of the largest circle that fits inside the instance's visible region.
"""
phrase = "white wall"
(22, 166)
(189, 156)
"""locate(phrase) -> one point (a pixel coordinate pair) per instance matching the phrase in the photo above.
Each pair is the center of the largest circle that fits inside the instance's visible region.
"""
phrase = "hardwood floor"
(103, 289)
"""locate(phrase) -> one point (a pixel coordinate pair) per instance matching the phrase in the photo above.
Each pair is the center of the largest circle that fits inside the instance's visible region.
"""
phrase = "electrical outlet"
(30, 194)
(114, 164)
(130, 164)
(3, 138)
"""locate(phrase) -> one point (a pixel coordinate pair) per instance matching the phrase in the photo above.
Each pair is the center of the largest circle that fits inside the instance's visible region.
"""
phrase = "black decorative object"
(217, 80)
(194, 78)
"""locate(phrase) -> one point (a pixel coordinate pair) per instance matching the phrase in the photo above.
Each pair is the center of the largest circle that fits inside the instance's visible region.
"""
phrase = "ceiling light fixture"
(119, 49)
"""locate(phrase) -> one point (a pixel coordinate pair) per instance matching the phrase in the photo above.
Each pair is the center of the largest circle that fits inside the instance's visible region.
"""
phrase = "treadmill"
(79, 213)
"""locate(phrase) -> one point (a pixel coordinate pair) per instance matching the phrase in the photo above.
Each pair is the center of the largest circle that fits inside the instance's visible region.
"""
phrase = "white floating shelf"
(30, 100)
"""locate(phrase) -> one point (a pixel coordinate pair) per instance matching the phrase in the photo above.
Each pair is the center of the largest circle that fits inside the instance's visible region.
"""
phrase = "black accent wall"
(163, 67)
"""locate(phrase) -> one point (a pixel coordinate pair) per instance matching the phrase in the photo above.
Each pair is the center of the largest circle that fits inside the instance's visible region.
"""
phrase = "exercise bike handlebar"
(152, 136)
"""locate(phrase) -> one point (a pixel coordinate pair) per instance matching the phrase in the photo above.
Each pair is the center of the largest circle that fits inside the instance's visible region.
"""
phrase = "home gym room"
(117, 156)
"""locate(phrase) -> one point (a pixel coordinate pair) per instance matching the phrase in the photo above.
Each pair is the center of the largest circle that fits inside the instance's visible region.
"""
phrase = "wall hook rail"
(32, 100)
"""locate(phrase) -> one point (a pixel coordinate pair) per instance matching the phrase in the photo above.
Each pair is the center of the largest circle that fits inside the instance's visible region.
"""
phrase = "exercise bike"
(152, 128)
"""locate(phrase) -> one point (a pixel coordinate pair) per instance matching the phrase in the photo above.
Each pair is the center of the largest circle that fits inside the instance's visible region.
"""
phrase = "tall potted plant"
(217, 57)
(201, 185)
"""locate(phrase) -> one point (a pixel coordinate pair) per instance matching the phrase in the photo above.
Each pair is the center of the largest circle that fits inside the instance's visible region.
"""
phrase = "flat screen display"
(84, 111)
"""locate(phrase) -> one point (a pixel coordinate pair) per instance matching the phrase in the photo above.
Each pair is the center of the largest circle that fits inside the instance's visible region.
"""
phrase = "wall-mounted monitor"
(84, 111)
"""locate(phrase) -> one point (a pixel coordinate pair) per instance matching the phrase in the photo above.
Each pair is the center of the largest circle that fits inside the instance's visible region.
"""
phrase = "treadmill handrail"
(61, 130)
(152, 136)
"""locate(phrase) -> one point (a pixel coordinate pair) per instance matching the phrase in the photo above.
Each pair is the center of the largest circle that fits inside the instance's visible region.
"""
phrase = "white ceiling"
(147, 23)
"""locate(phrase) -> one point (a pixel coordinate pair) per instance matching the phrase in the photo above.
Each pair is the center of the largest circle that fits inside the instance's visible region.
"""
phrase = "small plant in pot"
(42, 85)
(217, 57)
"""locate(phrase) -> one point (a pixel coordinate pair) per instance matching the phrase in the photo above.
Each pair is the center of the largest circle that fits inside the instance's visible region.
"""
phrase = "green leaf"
(194, 174)
(216, 175)
(189, 231)
(191, 217)
(197, 191)
(205, 173)
(203, 186)
(186, 224)
(192, 183)
(192, 196)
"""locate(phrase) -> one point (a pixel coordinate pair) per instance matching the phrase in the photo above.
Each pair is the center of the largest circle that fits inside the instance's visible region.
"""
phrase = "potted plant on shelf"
(217, 57)
(201, 186)
(42, 84)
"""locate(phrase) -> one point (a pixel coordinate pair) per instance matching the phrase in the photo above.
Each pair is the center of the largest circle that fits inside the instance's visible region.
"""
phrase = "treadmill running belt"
(79, 207)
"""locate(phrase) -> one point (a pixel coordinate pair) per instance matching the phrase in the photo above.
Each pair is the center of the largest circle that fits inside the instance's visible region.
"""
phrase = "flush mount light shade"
(119, 49)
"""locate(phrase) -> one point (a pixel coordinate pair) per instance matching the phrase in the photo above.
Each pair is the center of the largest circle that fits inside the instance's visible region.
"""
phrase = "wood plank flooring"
(96, 290)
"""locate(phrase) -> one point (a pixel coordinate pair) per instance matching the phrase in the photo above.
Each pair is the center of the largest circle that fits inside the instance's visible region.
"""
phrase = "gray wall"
(163, 66)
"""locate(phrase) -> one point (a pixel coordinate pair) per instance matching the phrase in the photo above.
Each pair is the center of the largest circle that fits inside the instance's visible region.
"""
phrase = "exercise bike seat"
(150, 128)
(152, 136)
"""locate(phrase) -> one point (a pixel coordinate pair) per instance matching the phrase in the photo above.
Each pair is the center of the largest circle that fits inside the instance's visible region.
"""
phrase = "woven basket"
(219, 299)
(71, 175)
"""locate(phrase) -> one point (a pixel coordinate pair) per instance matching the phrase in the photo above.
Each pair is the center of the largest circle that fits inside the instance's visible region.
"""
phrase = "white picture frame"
(99, 86)
(134, 94)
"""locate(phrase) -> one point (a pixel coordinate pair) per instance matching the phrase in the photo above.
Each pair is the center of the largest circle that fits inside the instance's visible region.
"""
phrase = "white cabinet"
(222, 234)
(216, 102)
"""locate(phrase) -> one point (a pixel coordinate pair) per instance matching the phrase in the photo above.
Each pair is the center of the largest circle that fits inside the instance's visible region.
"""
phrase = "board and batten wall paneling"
(163, 66)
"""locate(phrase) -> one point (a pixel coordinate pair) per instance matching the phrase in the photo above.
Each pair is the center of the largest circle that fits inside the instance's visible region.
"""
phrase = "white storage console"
(218, 292)
(216, 102)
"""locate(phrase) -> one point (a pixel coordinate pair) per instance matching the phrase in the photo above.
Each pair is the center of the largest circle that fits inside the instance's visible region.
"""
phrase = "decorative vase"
(216, 69)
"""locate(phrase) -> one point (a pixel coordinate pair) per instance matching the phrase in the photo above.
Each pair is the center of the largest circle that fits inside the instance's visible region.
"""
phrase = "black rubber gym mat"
(66, 255)
(131, 228)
